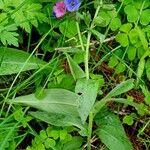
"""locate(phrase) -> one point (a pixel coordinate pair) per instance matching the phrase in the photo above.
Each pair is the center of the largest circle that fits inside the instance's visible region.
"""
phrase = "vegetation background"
(74, 75)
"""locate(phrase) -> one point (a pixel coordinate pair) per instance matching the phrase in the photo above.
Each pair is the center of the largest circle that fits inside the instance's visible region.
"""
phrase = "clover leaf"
(145, 19)
(132, 13)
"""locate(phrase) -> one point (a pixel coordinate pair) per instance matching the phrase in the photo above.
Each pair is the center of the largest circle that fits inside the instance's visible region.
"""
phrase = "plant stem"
(90, 130)
(80, 37)
(87, 56)
(87, 77)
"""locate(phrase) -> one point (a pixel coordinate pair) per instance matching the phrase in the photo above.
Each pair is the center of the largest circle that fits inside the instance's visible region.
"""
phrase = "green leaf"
(140, 69)
(132, 13)
(113, 62)
(49, 143)
(74, 144)
(115, 24)
(140, 52)
(122, 38)
(120, 68)
(8, 35)
(125, 2)
(13, 60)
(102, 19)
(146, 94)
(131, 51)
(133, 36)
(147, 66)
(142, 38)
(111, 132)
(59, 120)
(29, 14)
(59, 101)
(144, 4)
(43, 134)
(88, 90)
(79, 57)
(126, 27)
(121, 88)
(142, 109)
(144, 18)
(68, 28)
(76, 71)
(128, 119)
(99, 35)
(99, 79)
(54, 133)
(63, 134)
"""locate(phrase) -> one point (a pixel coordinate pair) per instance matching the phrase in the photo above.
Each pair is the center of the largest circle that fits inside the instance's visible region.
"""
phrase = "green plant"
(56, 138)
(16, 14)
(74, 74)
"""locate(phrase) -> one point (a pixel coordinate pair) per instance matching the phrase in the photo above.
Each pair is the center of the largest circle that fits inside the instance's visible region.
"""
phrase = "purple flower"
(72, 5)
(59, 9)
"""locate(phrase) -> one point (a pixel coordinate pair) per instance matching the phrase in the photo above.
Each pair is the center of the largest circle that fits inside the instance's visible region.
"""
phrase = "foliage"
(18, 14)
(56, 138)
(76, 77)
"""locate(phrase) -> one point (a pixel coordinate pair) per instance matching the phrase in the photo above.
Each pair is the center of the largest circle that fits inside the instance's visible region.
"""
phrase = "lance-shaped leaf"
(111, 132)
(75, 69)
(121, 88)
(59, 120)
(12, 61)
(59, 101)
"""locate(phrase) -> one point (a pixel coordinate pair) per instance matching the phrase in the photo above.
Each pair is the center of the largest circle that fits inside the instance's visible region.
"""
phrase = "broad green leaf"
(12, 61)
(120, 68)
(144, 18)
(59, 101)
(128, 119)
(68, 28)
(121, 88)
(103, 19)
(59, 120)
(119, 52)
(126, 27)
(132, 13)
(111, 132)
(76, 71)
(133, 36)
(79, 57)
(100, 21)
(49, 143)
(74, 144)
(144, 4)
(140, 52)
(122, 38)
(115, 24)
(88, 90)
(131, 51)
(113, 62)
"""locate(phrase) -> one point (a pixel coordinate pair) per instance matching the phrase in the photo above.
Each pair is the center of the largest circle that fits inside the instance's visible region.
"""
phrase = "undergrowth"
(74, 75)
